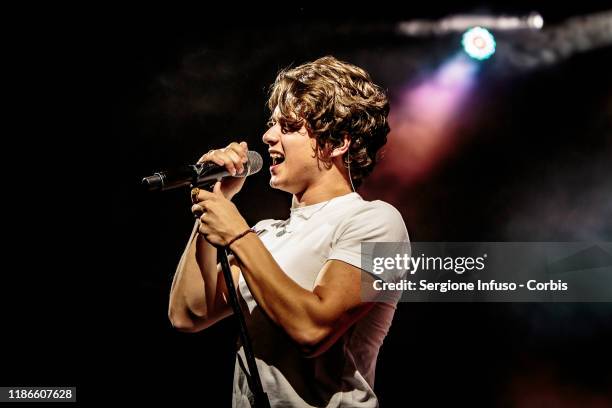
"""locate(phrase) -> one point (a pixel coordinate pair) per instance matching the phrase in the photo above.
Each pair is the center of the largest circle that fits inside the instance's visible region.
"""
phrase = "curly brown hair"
(332, 98)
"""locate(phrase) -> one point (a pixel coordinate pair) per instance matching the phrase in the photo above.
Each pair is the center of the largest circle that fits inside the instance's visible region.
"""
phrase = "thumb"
(217, 188)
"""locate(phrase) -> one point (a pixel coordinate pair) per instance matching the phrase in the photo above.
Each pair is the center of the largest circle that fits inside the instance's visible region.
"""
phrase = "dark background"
(86, 302)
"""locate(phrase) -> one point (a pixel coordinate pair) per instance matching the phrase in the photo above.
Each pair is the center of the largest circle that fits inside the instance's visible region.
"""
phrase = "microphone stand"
(253, 379)
(261, 398)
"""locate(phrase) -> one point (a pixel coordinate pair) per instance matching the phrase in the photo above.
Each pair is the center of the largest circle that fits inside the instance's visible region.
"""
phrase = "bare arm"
(313, 319)
(198, 297)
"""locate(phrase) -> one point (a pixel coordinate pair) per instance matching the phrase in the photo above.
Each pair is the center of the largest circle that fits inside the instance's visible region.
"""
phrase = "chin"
(279, 185)
(274, 183)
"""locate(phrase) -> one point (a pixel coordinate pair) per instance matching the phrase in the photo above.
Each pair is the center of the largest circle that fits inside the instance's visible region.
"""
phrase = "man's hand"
(220, 220)
(232, 158)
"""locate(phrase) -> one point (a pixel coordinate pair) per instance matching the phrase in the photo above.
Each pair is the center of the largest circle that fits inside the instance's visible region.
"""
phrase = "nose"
(272, 135)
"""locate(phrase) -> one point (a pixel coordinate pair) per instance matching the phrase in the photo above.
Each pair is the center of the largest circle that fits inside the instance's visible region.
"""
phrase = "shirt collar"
(309, 210)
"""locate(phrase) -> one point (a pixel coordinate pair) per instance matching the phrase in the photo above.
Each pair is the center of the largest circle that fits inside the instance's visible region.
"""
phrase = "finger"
(203, 229)
(217, 188)
(236, 161)
(197, 210)
(212, 156)
(204, 195)
(245, 147)
(202, 219)
(228, 161)
(202, 158)
(240, 149)
(212, 239)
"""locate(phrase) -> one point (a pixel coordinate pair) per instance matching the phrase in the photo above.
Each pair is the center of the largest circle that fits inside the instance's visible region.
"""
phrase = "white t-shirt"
(343, 376)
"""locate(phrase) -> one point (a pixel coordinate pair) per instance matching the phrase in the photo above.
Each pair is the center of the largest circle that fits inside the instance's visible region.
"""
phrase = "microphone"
(198, 174)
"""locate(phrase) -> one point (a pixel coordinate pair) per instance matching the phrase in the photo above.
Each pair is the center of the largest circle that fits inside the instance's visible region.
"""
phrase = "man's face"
(294, 165)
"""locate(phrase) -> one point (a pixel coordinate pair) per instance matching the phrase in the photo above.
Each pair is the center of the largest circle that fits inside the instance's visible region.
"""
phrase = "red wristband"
(237, 237)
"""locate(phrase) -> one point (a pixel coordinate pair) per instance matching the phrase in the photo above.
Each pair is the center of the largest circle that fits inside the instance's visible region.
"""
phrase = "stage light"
(535, 20)
(478, 43)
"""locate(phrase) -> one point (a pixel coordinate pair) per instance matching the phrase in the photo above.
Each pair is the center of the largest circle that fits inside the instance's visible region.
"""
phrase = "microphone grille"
(255, 162)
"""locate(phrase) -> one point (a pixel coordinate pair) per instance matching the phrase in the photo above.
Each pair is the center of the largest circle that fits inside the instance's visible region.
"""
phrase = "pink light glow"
(423, 121)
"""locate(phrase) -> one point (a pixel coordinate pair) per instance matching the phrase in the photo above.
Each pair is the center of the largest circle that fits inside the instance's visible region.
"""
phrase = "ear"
(343, 148)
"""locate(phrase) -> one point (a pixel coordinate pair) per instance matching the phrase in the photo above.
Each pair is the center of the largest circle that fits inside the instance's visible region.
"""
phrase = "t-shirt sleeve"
(378, 222)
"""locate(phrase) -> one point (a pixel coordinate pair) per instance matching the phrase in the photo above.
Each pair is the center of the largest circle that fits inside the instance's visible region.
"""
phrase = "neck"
(312, 197)
(330, 186)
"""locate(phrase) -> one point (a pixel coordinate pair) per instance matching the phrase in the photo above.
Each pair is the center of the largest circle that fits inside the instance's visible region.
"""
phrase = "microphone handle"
(185, 176)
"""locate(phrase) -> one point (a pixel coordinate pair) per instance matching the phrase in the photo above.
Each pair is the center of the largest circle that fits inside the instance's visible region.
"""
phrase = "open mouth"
(277, 159)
